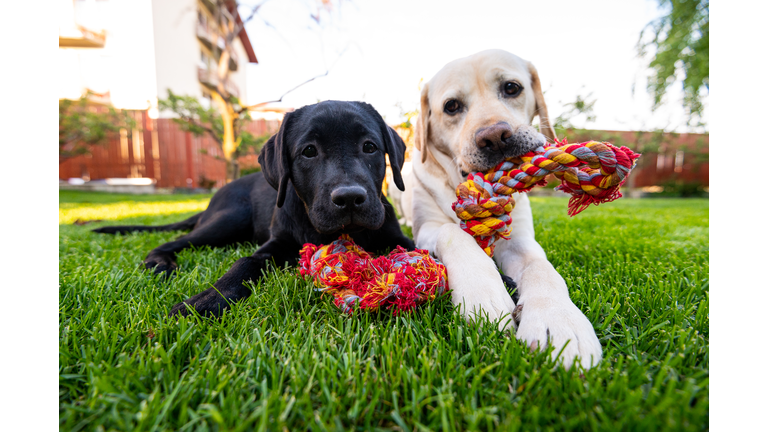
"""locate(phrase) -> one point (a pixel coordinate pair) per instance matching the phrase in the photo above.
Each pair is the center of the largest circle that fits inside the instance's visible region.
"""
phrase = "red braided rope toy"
(591, 172)
(399, 281)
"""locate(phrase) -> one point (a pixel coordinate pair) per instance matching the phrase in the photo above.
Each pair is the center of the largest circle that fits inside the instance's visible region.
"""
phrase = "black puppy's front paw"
(160, 265)
(208, 303)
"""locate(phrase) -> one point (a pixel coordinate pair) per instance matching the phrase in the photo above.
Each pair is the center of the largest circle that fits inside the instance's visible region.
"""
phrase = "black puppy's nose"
(494, 136)
(349, 197)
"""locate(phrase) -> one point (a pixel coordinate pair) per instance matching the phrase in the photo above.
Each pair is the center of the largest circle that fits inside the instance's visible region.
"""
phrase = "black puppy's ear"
(275, 161)
(395, 147)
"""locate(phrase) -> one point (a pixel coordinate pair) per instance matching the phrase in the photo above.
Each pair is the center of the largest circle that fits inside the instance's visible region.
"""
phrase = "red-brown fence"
(161, 151)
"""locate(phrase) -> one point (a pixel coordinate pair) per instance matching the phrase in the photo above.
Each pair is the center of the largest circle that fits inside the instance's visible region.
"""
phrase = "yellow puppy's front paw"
(473, 278)
(556, 322)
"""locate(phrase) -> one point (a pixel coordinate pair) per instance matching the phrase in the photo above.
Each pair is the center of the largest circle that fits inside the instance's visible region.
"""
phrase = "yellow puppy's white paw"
(473, 278)
(544, 321)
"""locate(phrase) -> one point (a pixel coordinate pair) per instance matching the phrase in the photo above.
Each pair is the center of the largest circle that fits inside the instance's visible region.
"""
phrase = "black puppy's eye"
(452, 106)
(369, 147)
(310, 151)
(512, 89)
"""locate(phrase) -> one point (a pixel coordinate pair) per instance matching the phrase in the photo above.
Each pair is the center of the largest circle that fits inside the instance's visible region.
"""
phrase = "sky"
(380, 51)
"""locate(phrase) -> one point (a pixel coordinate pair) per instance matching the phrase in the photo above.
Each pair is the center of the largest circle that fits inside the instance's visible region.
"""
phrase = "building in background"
(133, 51)
(129, 53)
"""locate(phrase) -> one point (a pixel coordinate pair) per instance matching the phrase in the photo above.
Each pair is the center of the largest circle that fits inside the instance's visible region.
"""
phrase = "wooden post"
(149, 155)
(190, 164)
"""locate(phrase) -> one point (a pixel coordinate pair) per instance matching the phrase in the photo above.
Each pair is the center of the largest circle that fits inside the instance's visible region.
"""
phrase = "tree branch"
(195, 123)
(240, 26)
(261, 104)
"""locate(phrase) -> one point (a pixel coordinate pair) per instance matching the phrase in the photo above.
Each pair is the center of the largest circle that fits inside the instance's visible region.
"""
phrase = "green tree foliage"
(250, 142)
(583, 109)
(680, 40)
(193, 117)
(83, 125)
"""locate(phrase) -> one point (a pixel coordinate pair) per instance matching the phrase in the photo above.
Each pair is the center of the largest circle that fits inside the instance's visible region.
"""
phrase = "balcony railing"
(207, 36)
(210, 78)
(81, 37)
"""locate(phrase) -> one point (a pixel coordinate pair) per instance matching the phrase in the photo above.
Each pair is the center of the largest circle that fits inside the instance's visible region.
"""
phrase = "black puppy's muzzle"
(347, 208)
(349, 198)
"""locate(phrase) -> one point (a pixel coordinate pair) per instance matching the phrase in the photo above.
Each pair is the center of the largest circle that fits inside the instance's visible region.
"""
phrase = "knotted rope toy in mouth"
(399, 281)
(591, 172)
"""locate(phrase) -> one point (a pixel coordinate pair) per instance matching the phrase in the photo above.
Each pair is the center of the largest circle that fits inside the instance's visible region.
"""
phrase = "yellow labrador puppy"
(475, 112)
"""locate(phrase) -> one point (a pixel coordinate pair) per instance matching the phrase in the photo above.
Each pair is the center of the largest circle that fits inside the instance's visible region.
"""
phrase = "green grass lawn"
(287, 359)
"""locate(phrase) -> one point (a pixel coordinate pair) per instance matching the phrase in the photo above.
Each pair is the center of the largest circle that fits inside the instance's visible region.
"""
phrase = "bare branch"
(254, 11)
(261, 104)
(239, 27)
(277, 32)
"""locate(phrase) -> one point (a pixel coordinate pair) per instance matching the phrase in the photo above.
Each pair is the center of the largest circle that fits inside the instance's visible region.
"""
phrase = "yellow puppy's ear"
(541, 107)
(421, 131)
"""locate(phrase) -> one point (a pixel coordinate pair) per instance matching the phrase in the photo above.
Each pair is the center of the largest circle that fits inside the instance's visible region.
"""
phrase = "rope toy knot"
(399, 281)
(591, 172)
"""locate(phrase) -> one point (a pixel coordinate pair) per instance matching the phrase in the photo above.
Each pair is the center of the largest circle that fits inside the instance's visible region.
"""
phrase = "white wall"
(67, 60)
(70, 85)
(130, 44)
(151, 46)
(176, 47)
(125, 67)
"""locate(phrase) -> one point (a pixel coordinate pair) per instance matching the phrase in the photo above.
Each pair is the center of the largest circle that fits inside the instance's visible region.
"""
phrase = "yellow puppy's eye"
(512, 88)
(452, 106)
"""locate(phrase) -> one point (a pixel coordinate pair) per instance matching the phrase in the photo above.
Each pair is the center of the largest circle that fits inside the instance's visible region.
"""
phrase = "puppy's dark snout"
(494, 136)
(349, 197)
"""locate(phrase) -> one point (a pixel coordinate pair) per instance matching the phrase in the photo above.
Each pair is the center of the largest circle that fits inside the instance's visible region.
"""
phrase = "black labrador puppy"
(321, 176)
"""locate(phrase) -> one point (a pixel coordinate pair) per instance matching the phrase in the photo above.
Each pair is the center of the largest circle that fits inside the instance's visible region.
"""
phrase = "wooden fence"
(175, 159)
(159, 150)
